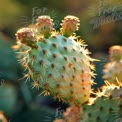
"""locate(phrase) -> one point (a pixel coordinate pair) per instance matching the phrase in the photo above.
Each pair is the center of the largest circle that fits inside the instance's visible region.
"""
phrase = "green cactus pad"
(60, 65)
(107, 107)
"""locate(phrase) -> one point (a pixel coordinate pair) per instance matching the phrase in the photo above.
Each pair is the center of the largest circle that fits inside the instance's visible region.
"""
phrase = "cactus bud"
(26, 36)
(45, 25)
(69, 25)
(115, 53)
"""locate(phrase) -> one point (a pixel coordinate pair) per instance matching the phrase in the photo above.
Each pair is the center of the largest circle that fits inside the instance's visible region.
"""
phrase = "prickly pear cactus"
(106, 107)
(57, 61)
(113, 69)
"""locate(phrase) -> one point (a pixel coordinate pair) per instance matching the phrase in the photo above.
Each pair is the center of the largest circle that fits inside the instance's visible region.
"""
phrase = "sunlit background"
(100, 27)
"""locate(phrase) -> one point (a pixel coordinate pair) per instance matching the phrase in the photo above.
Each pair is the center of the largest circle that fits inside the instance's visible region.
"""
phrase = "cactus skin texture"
(59, 64)
(113, 69)
(106, 107)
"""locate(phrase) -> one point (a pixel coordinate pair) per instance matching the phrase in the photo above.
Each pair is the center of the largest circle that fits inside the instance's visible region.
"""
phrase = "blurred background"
(100, 27)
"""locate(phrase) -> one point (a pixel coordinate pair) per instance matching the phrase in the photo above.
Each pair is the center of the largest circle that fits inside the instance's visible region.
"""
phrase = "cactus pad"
(107, 107)
(60, 65)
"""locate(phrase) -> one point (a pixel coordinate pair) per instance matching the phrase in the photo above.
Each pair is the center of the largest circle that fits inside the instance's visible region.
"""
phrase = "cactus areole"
(58, 62)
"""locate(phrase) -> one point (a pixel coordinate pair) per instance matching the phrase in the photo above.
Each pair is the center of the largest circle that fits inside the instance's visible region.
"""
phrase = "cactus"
(106, 107)
(58, 62)
(113, 68)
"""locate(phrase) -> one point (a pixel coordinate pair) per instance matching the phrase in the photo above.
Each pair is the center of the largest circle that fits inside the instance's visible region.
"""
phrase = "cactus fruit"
(57, 61)
(26, 36)
(45, 25)
(113, 69)
(69, 25)
(106, 107)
